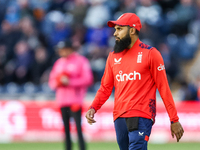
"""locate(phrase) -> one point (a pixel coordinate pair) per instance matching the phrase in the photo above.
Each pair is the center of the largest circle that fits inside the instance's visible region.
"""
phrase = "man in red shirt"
(136, 70)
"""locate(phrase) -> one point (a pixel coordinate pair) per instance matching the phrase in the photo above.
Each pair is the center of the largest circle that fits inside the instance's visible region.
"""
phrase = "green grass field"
(96, 146)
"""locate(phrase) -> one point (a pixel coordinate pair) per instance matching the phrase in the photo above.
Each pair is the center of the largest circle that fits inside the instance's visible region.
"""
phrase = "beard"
(122, 44)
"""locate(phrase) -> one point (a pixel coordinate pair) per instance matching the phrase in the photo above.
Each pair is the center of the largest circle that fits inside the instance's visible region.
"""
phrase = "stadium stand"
(31, 28)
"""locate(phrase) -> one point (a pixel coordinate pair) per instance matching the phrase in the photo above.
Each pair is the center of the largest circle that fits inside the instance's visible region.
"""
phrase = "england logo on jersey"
(139, 57)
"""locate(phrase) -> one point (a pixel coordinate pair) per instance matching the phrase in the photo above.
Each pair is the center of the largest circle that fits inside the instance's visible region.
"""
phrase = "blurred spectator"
(9, 36)
(97, 8)
(29, 32)
(188, 91)
(149, 11)
(198, 88)
(128, 6)
(3, 5)
(39, 65)
(3, 60)
(103, 34)
(79, 37)
(25, 10)
(12, 14)
(22, 62)
(97, 57)
(183, 47)
(197, 6)
(58, 5)
(59, 29)
(171, 66)
(113, 5)
(150, 35)
(167, 5)
(39, 14)
(79, 11)
(60, 32)
(172, 26)
(185, 13)
(194, 26)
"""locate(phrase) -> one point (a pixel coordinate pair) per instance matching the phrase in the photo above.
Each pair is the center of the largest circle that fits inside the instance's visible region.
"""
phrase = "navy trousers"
(134, 140)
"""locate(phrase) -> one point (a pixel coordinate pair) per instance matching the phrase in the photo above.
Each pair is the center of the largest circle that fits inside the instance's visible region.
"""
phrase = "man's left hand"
(177, 130)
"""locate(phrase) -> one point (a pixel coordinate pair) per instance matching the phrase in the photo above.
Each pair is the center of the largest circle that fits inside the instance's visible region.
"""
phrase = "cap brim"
(111, 23)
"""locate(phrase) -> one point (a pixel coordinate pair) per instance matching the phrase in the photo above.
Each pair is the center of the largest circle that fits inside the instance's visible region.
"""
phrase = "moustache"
(117, 39)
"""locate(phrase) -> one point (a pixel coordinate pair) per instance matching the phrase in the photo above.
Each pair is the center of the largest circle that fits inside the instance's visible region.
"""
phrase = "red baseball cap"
(127, 19)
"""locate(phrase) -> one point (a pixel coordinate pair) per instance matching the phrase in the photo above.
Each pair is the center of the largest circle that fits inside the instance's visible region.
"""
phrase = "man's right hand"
(90, 116)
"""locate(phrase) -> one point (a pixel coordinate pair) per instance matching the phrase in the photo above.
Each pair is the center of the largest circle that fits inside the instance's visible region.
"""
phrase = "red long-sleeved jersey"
(135, 73)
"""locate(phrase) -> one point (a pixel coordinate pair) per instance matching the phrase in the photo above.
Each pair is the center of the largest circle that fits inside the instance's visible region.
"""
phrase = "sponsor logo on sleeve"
(161, 67)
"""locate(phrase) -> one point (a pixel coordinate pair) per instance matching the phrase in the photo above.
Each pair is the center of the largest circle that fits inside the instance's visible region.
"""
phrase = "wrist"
(91, 107)
(174, 121)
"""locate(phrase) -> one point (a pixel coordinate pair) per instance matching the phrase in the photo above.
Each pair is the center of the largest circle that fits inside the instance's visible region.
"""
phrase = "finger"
(181, 133)
(89, 119)
(182, 130)
(178, 136)
(172, 133)
(91, 122)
